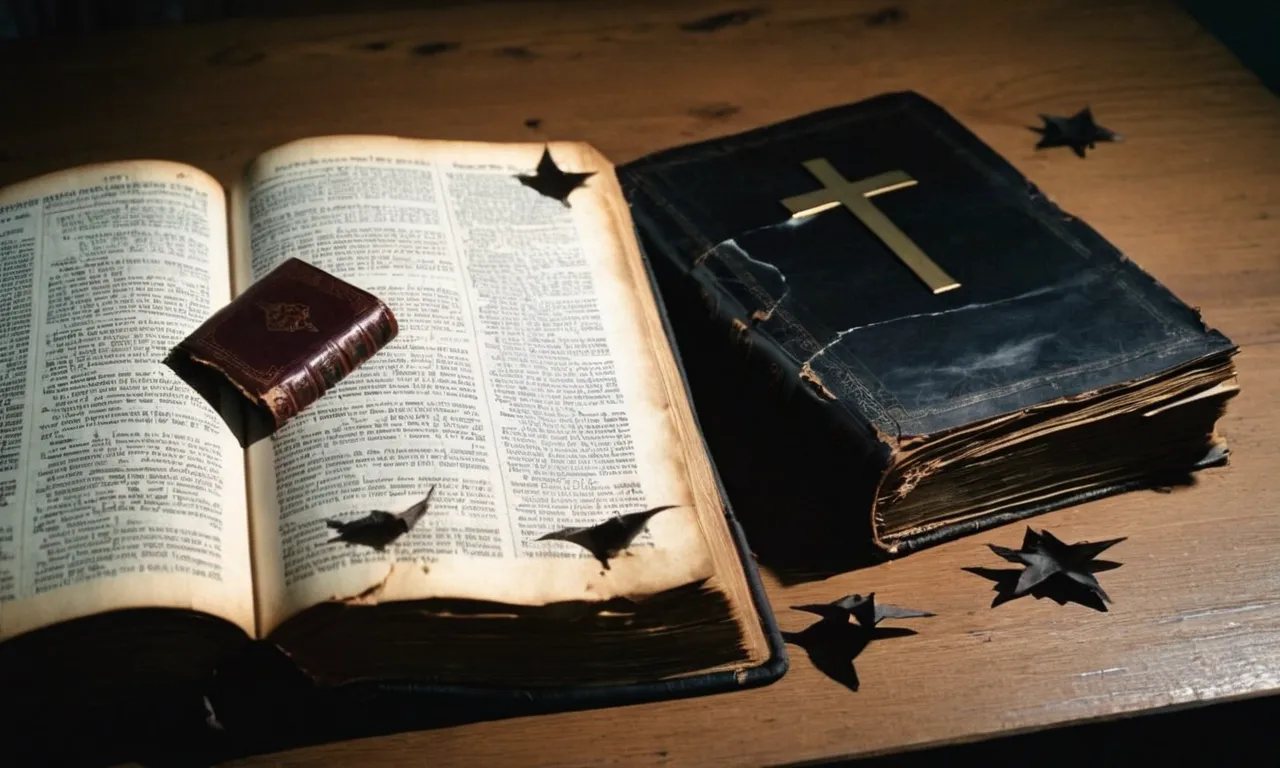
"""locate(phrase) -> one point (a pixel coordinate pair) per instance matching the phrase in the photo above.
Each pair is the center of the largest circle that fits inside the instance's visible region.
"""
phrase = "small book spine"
(369, 333)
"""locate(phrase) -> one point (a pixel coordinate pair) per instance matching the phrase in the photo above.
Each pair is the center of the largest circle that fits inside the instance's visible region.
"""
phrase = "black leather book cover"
(1022, 303)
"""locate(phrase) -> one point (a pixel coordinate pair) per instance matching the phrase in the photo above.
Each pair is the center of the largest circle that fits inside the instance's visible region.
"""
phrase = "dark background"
(1250, 28)
(1227, 733)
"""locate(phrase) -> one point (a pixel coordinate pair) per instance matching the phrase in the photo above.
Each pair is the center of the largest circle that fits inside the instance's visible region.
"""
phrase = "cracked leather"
(1046, 309)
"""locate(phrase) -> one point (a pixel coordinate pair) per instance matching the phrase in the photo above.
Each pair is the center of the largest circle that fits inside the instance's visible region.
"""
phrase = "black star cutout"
(605, 540)
(552, 182)
(379, 529)
(1063, 572)
(834, 642)
(1078, 132)
(864, 610)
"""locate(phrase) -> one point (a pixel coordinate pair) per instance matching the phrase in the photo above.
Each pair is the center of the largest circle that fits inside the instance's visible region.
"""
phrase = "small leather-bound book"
(972, 353)
(280, 345)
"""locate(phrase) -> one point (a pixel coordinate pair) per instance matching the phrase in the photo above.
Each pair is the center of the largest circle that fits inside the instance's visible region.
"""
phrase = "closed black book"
(987, 355)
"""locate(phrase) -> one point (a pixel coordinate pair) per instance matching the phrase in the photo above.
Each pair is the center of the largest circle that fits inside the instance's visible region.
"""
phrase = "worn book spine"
(339, 356)
(728, 353)
(706, 307)
(799, 468)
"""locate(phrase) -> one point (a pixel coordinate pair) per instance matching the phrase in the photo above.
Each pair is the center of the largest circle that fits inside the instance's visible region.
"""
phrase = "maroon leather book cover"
(280, 345)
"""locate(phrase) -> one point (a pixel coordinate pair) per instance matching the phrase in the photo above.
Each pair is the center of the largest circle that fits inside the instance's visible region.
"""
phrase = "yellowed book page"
(119, 486)
(522, 384)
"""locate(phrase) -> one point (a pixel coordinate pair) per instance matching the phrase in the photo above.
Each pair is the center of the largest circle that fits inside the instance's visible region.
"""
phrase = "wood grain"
(1191, 195)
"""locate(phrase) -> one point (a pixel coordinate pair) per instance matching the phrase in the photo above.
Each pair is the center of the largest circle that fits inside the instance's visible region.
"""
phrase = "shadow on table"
(259, 703)
(803, 502)
(800, 490)
(1231, 733)
(834, 646)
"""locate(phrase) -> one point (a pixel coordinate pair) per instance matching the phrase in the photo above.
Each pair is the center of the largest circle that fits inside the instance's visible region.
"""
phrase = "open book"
(531, 383)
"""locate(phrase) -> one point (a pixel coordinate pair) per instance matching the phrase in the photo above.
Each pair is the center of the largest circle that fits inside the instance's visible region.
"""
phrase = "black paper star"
(552, 182)
(605, 540)
(834, 642)
(378, 529)
(1078, 132)
(1053, 567)
(864, 610)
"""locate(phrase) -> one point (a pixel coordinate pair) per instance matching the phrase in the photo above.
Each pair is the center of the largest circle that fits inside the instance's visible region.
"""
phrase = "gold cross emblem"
(856, 196)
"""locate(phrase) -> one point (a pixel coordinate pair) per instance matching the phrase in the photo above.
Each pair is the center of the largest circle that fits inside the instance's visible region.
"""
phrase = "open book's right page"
(526, 383)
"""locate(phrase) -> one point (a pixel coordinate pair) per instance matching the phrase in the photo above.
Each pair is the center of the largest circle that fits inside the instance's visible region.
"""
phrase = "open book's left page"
(119, 486)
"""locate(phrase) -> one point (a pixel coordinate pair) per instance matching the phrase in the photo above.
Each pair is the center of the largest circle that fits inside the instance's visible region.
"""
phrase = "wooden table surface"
(1191, 195)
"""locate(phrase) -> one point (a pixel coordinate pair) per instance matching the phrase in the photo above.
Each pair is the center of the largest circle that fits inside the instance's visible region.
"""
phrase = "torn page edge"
(371, 595)
(1231, 386)
(252, 398)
